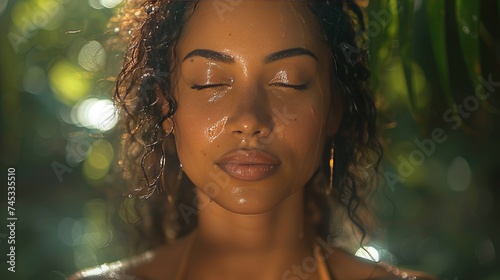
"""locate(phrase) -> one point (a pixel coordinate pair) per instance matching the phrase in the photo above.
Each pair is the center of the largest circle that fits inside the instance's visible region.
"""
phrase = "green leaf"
(436, 16)
(382, 29)
(468, 17)
(406, 26)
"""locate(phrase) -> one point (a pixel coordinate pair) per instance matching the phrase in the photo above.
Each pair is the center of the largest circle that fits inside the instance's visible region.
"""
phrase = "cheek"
(196, 120)
(187, 132)
(310, 129)
(197, 130)
(306, 134)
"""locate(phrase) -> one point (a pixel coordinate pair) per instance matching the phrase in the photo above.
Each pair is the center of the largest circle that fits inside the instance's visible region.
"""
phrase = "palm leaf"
(436, 16)
(406, 21)
(467, 15)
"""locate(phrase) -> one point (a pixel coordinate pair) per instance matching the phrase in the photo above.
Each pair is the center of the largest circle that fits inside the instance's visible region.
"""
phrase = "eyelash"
(296, 87)
(202, 87)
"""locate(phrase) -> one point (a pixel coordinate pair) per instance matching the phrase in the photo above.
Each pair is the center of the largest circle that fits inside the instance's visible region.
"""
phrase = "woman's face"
(254, 102)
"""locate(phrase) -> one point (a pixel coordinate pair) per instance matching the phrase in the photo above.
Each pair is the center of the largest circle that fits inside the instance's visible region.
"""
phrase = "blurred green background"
(436, 74)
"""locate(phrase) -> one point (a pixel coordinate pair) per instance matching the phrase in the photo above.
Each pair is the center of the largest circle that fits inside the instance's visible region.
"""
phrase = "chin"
(251, 200)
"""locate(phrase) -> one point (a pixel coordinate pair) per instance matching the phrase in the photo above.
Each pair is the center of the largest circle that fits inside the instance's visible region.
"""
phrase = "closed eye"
(205, 86)
(296, 87)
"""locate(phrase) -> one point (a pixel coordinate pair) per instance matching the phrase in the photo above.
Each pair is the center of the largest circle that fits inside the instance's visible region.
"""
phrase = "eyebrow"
(221, 57)
(289, 53)
(212, 55)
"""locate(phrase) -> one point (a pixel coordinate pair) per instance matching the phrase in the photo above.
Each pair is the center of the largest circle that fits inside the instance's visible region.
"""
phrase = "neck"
(281, 226)
(278, 238)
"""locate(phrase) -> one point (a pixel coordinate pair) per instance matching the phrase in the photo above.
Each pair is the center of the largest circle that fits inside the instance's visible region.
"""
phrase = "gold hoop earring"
(329, 190)
(179, 176)
(168, 126)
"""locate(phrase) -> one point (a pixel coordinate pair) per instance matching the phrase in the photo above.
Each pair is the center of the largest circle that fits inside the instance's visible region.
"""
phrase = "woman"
(267, 113)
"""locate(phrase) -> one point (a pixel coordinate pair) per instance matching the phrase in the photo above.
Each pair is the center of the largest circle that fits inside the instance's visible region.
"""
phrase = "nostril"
(262, 133)
(250, 124)
(240, 134)
(258, 133)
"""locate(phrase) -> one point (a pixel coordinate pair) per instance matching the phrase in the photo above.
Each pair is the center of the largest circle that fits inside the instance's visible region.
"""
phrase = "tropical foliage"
(436, 75)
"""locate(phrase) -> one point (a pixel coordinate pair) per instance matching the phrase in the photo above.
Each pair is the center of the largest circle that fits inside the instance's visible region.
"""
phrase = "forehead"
(259, 27)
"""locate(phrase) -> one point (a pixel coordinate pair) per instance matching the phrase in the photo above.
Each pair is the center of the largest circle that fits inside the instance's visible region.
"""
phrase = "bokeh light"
(485, 251)
(85, 256)
(98, 162)
(97, 232)
(94, 113)
(3, 5)
(29, 16)
(110, 3)
(459, 174)
(95, 4)
(92, 56)
(88, 234)
(69, 83)
(369, 253)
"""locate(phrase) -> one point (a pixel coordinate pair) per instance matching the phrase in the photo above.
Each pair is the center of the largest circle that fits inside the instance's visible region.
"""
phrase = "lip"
(248, 165)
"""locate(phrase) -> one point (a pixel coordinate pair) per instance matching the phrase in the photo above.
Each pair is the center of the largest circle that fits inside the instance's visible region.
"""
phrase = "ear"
(336, 111)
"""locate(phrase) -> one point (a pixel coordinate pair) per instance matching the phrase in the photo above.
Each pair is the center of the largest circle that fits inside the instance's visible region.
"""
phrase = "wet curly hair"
(150, 30)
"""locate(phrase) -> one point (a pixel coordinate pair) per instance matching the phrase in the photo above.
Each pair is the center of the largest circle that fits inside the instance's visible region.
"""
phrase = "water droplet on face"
(217, 95)
(216, 129)
(281, 77)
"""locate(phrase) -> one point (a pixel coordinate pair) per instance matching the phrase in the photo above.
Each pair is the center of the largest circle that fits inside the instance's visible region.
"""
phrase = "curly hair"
(152, 29)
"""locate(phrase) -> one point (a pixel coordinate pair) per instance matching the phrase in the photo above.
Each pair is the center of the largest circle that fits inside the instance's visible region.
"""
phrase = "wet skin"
(254, 111)
(257, 81)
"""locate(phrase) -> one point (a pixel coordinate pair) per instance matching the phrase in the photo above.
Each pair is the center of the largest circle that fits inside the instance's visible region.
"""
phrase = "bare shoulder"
(346, 266)
(160, 263)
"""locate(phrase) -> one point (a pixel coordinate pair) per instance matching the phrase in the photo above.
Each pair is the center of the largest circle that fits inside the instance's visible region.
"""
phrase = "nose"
(252, 117)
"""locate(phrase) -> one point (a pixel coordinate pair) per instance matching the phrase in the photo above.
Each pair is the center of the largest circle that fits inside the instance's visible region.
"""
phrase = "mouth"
(248, 165)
